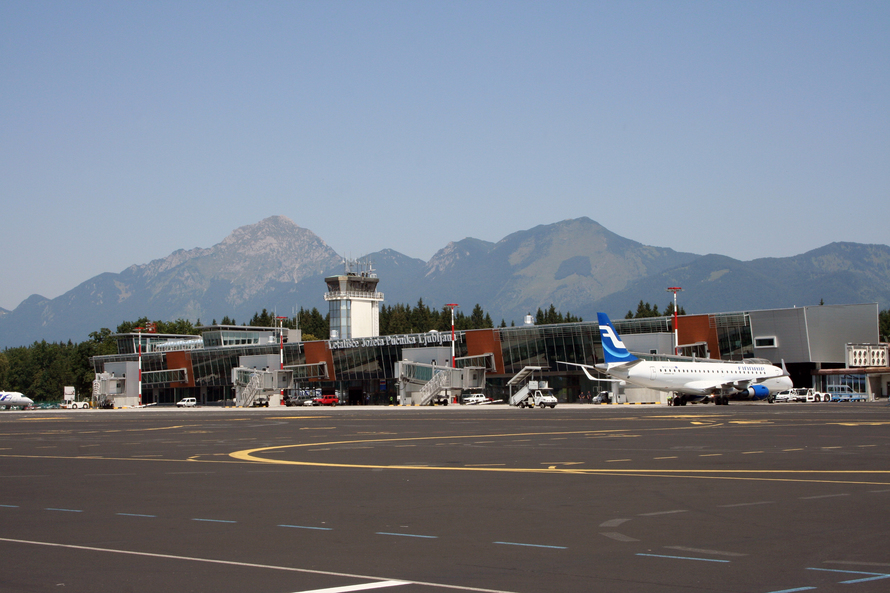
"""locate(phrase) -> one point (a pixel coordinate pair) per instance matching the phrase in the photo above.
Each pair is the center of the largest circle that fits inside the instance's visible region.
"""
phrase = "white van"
(186, 402)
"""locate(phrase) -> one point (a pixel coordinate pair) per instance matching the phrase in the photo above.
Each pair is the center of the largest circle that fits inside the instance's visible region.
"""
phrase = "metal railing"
(432, 388)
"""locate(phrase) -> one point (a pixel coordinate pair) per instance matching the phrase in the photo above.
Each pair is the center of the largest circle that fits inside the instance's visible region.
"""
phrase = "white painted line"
(870, 576)
(700, 551)
(531, 545)
(858, 563)
(662, 513)
(244, 564)
(744, 504)
(619, 537)
(822, 496)
(684, 558)
(362, 587)
(613, 522)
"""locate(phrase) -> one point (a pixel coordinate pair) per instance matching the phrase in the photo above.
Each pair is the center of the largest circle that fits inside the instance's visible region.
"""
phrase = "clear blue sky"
(131, 129)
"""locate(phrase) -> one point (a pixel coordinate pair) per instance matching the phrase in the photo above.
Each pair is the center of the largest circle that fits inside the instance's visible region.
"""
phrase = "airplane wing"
(710, 387)
(706, 387)
(584, 368)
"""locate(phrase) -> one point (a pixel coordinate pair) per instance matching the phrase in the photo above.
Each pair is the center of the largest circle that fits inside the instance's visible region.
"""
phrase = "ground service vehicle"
(533, 393)
(845, 393)
(475, 399)
(814, 395)
(187, 402)
(540, 399)
(69, 400)
(796, 394)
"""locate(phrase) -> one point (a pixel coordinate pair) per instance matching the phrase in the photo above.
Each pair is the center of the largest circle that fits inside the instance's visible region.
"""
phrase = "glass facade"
(340, 311)
(364, 369)
(544, 345)
(233, 337)
(734, 336)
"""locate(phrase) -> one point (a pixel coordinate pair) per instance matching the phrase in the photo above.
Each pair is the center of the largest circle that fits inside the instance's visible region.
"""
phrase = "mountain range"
(576, 265)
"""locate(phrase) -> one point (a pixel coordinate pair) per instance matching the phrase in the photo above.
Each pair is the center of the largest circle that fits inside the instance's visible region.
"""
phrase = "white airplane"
(689, 381)
(14, 399)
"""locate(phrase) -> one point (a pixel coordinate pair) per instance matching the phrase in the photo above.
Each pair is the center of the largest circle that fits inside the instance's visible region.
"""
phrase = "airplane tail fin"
(614, 351)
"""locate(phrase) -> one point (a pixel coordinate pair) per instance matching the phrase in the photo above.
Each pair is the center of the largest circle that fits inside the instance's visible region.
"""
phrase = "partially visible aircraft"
(14, 399)
(690, 381)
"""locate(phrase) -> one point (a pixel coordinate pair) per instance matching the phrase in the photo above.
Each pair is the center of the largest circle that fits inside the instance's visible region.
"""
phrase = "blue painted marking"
(532, 545)
(9, 506)
(408, 535)
(685, 558)
(65, 510)
(136, 515)
(307, 527)
(214, 520)
(794, 590)
(872, 576)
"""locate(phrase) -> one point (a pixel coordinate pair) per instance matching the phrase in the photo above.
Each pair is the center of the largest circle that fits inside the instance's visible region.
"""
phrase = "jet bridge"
(258, 387)
(422, 384)
(259, 380)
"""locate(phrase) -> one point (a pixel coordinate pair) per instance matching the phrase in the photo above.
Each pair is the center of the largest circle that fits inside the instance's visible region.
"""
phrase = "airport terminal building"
(821, 346)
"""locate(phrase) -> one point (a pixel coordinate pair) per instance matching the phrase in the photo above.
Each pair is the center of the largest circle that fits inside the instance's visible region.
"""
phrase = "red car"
(327, 400)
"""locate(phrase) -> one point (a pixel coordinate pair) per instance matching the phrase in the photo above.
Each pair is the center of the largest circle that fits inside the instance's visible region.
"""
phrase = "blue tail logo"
(614, 350)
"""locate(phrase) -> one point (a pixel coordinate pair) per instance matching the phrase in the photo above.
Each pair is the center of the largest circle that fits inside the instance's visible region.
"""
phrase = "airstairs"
(520, 396)
(520, 379)
(434, 387)
(532, 393)
(247, 396)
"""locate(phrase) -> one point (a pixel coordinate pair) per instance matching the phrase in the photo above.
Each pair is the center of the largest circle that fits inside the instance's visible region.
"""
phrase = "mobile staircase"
(532, 393)
(248, 394)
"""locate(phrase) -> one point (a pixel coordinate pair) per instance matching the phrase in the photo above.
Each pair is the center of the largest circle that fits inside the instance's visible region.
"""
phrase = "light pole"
(139, 389)
(453, 306)
(281, 349)
(675, 290)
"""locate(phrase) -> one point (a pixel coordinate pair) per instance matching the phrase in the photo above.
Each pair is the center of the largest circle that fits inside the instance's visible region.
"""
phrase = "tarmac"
(757, 498)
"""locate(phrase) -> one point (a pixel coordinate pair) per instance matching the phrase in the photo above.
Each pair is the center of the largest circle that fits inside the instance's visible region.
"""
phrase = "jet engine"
(756, 392)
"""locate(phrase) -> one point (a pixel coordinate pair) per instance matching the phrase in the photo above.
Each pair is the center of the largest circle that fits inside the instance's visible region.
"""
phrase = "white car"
(785, 396)
(187, 402)
(475, 399)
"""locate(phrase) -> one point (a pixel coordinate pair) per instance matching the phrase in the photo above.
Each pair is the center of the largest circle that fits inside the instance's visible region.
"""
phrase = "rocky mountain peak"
(447, 257)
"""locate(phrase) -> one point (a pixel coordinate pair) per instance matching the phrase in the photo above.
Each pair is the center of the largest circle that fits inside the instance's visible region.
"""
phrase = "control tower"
(354, 302)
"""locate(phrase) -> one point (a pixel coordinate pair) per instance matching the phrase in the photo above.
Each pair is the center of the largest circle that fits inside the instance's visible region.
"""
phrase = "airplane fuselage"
(705, 378)
(10, 399)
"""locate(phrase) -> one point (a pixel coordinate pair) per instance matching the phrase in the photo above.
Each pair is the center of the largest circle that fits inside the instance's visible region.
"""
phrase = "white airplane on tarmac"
(690, 381)
(14, 399)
